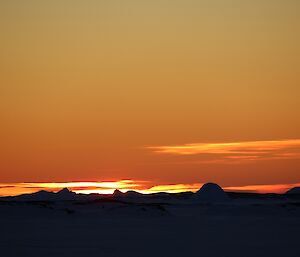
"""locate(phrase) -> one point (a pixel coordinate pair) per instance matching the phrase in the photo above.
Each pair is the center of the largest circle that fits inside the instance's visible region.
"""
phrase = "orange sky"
(168, 92)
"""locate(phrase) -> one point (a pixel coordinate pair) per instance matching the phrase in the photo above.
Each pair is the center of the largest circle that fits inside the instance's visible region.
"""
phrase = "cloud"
(276, 188)
(236, 151)
(173, 188)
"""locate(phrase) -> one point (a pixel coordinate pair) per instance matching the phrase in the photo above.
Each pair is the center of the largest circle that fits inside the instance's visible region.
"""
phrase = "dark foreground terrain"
(241, 227)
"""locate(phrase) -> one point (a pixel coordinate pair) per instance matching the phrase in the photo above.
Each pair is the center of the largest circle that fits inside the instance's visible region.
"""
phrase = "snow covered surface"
(157, 225)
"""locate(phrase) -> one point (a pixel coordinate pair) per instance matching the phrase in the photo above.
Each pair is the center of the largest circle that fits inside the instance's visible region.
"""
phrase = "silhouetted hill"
(62, 195)
(294, 190)
(258, 196)
(211, 192)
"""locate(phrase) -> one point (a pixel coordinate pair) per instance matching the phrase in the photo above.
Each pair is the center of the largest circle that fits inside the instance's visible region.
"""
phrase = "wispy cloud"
(173, 188)
(237, 151)
(276, 188)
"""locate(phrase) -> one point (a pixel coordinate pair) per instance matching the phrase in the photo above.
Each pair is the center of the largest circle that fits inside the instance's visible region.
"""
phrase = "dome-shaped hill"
(211, 193)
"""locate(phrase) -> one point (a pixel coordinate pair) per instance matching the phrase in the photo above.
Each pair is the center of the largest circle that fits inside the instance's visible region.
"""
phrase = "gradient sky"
(104, 90)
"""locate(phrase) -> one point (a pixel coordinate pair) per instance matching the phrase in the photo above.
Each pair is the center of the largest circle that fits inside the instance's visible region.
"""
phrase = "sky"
(165, 92)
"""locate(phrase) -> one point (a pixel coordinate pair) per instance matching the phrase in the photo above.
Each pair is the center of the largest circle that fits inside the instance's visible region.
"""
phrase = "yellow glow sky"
(105, 187)
(92, 91)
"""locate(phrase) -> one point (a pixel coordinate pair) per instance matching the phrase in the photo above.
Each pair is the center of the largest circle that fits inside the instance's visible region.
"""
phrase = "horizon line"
(140, 186)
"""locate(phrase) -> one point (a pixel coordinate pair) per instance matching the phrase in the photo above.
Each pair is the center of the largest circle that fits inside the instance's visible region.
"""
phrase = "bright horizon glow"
(105, 187)
(165, 93)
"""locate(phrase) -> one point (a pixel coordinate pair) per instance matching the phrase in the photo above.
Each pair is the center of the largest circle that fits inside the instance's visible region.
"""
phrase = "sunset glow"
(150, 128)
(149, 95)
(280, 188)
(127, 185)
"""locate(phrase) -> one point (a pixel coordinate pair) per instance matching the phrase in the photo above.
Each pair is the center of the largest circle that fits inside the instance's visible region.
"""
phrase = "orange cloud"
(239, 151)
(174, 188)
(277, 188)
